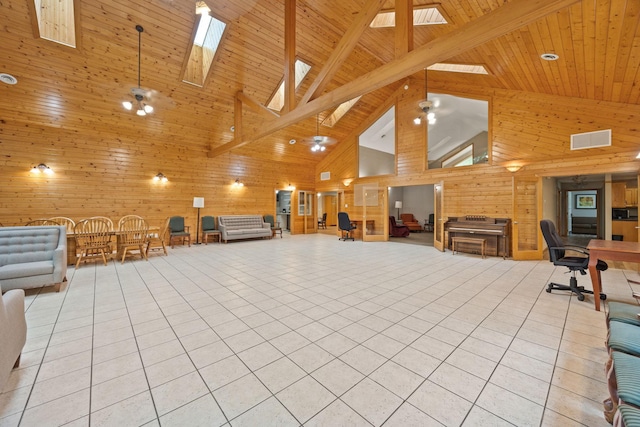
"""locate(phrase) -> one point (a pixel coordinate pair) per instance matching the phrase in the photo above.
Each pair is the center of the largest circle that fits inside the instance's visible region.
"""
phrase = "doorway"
(328, 204)
(417, 200)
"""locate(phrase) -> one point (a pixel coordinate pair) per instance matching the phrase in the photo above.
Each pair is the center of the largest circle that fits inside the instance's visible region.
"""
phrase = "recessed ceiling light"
(232, 128)
(8, 79)
(549, 56)
(292, 141)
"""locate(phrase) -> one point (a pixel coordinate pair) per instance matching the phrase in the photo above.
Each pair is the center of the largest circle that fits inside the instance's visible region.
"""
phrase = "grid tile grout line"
(384, 305)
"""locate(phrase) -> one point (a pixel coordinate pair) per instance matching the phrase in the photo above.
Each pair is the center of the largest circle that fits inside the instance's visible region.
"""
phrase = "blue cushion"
(630, 415)
(623, 312)
(624, 337)
(627, 370)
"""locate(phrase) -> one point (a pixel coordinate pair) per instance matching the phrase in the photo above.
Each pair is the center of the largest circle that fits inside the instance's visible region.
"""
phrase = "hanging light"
(42, 168)
(142, 108)
(160, 177)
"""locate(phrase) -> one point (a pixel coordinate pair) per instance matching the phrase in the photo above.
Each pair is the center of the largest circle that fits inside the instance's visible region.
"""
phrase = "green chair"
(209, 228)
(275, 226)
(177, 230)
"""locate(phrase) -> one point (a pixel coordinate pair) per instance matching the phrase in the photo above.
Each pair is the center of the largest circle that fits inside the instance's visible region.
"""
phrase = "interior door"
(438, 216)
(375, 219)
(527, 211)
(307, 211)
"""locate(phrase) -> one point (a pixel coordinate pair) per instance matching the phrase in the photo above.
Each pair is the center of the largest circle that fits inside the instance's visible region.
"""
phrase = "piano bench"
(471, 240)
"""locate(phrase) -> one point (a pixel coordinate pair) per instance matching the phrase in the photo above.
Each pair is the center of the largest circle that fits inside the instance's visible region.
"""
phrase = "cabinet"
(618, 195)
(627, 229)
(631, 196)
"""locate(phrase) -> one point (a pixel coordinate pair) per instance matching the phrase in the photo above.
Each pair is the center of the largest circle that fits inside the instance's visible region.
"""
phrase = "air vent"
(600, 138)
(325, 176)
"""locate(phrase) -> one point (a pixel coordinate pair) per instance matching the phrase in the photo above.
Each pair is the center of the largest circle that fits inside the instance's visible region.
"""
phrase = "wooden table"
(72, 255)
(609, 250)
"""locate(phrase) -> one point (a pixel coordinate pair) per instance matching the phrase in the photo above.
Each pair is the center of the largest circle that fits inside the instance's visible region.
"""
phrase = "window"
(205, 44)
(422, 15)
(377, 146)
(458, 131)
(340, 111)
(277, 100)
(56, 21)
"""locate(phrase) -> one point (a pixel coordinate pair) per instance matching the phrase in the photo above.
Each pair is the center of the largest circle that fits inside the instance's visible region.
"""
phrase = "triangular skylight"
(422, 15)
(458, 68)
(342, 109)
(56, 21)
(205, 44)
(277, 100)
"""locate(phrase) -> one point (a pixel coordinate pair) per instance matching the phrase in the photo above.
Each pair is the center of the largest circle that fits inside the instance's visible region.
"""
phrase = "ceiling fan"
(142, 96)
(318, 141)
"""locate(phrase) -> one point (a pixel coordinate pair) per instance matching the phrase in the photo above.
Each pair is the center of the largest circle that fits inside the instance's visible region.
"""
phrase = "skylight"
(342, 109)
(422, 15)
(56, 21)
(277, 100)
(205, 44)
(459, 68)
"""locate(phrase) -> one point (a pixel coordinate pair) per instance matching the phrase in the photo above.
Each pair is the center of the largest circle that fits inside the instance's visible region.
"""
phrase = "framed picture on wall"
(585, 201)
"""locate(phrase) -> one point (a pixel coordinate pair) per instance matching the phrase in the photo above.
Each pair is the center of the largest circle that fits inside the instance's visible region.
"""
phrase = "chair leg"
(572, 287)
(15, 365)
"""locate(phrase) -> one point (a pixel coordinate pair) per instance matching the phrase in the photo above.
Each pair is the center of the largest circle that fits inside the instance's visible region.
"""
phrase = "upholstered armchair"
(410, 221)
(13, 332)
(397, 230)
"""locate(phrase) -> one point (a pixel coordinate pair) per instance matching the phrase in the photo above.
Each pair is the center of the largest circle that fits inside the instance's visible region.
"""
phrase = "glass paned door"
(438, 220)
(375, 218)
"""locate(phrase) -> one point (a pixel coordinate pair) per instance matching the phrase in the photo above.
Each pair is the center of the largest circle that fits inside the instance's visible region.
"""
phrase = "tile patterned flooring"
(309, 330)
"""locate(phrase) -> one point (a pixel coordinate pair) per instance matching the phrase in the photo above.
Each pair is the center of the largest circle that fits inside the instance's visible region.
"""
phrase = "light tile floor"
(309, 330)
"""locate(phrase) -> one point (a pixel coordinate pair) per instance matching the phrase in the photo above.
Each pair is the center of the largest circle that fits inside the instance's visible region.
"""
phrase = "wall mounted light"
(513, 168)
(238, 183)
(42, 168)
(160, 177)
(291, 187)
(347, 182)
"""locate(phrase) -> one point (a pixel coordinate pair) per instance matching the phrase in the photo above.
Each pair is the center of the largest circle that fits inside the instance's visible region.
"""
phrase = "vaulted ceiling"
(81, 88)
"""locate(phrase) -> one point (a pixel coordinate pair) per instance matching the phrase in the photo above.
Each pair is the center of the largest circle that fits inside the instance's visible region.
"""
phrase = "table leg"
(596, 280)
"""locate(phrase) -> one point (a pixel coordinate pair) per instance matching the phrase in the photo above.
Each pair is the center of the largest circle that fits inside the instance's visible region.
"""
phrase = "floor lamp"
(398, 206)
(198, 202)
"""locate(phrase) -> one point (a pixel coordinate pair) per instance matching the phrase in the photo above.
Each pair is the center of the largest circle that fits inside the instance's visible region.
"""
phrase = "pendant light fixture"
(141, 101)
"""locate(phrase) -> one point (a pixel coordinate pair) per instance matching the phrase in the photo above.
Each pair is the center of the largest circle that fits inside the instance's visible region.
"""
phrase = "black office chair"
(428, 226)
(574, 263)
(345, 226)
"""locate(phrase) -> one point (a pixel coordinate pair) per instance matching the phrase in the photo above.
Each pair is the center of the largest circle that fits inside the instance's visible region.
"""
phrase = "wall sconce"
(42, 168)
(513, 168)
(347, 182)
(238, 183)
(291, 187)
(160, 177)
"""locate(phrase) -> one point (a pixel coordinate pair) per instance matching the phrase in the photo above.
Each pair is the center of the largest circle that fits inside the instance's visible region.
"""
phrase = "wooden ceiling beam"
(497, 23)
(289, 55)
(404, 27)
(343, 49)
(255, 105)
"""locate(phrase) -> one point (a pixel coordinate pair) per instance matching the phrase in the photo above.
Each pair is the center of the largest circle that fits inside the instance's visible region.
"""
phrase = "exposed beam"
(255, 105)
(499, 22)
(404, 27)
(289, 55)
(343, 49)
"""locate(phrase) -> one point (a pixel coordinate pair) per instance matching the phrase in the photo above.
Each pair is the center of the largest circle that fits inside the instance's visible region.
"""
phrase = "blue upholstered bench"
(623, 312)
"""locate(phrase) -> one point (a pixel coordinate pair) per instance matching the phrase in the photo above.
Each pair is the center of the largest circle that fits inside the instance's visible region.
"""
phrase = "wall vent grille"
(600, 138)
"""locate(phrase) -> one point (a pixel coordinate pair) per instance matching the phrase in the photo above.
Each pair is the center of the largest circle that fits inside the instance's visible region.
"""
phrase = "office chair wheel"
(603, 297)
(548, 290)
(580, 297)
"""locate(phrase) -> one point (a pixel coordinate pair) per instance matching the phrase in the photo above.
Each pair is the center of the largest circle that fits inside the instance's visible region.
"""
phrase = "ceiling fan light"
(431, 116)
(127, 105)
(141, 112)
(432, 121)
(148, 109)
(417, 121)
(322, 148)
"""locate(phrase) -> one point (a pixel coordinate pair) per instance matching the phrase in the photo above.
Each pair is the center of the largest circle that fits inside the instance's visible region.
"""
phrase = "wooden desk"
(608, 250)
(358, 232)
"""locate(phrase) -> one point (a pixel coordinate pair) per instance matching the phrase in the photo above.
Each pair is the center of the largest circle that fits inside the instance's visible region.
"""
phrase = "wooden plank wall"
(528, 128)
(100, 172)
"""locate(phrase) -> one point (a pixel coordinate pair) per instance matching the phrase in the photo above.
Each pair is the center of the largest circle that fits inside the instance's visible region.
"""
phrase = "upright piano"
(497, 232)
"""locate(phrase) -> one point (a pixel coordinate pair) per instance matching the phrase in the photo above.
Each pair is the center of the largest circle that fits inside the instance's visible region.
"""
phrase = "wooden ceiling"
(82, 88)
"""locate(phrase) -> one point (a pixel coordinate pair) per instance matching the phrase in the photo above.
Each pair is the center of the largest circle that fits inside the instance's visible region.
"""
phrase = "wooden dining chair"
(63, 220)
(157, 241)
(133, 233)
(40, 222)
(93, 238)
(112, 229)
